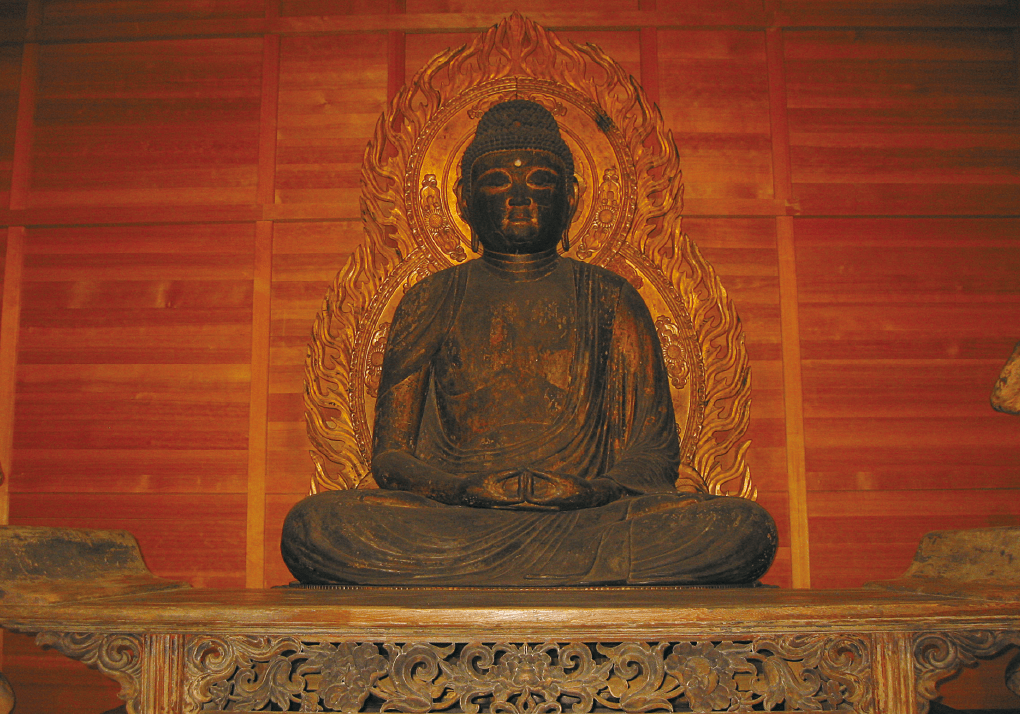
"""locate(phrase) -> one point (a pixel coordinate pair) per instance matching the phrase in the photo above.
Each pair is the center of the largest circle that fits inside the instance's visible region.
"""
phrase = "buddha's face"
(519, 201)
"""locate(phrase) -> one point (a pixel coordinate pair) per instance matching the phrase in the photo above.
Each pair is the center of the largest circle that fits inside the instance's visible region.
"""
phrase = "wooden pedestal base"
(608, 649)
(177, 650)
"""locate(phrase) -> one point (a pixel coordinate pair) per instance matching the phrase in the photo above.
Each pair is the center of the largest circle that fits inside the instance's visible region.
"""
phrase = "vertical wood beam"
(396, 46)
(893, 673)
(793, 390)
(9, 327)
(265, 193)
(10, 301)
(649, 48)
(24, 132)
(258, 410)
(261, 316)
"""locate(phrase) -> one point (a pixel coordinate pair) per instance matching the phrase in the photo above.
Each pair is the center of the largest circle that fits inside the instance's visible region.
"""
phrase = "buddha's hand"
(563, 492)
(531, 490)
(501, 489)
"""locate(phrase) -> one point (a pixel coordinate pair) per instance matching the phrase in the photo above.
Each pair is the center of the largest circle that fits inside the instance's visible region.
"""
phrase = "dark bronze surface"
(524, 432)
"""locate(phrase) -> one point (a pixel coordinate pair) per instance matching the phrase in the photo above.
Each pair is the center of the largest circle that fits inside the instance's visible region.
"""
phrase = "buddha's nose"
(518, 196)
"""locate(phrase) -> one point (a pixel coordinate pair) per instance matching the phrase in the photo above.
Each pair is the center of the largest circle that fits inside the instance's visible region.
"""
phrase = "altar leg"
(893, 667)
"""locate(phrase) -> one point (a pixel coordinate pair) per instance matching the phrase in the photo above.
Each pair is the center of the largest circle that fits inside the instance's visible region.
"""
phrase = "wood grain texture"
(906, 322)
(793, 399)
(258, 405)
(134, 389)
(904, 122)
(332, 91)
(306, 258)
(147, 123)
(46, 681)
(63, 12)
(10, 80)
(713, 88)
(10, 321)
(24, 130)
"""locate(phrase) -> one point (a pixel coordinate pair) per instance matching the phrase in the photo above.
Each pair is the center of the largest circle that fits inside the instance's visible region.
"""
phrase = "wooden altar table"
(594, 649)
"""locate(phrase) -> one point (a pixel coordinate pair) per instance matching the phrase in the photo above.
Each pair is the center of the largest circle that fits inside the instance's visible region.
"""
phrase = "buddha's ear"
(571, 198)
(462, 206)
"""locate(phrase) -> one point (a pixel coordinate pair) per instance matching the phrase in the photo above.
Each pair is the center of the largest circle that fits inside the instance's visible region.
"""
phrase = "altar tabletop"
(520, 614)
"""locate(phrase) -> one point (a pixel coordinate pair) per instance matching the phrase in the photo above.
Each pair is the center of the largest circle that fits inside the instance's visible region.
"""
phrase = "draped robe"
(551, 365)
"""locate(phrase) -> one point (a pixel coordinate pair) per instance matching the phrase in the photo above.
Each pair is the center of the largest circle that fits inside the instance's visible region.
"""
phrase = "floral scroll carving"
(940, 655)
(241, 673)
(118, 656)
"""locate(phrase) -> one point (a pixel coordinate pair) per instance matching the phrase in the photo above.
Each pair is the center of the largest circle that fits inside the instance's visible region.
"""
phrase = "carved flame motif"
(631, 223)
(800, 672)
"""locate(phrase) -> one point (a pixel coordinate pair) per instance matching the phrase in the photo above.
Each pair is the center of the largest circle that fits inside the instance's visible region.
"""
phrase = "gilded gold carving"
(376, 351)
(630, 223)
(786, 672)
(437, 221)
(940, 655)
(118, 656)
(607, 210)
(673, 351)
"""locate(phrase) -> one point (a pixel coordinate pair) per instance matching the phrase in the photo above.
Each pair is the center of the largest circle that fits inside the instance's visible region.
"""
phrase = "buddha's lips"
(521, 215)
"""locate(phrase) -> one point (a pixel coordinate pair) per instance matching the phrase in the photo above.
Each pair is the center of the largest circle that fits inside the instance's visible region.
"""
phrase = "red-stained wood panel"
(865, 536)
(743, 253)
(56, 12)
(713, 93)
(522, 6)
(901, 13)
(133, 390)
(904, 121)
(332, 91)
(320, 8)
(158, 122)
(3, 265)
(10, 79)
(46, 682)
(306, 258)
(905, 324)
(205, 549)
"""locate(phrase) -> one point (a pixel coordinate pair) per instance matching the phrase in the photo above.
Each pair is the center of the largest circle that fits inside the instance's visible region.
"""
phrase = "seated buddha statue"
(524, 431)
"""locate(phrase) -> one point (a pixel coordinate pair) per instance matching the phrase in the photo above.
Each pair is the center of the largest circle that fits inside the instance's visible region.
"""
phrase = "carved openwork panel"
(783, 673)
(118, 656)
(628, 220)
(940, 655)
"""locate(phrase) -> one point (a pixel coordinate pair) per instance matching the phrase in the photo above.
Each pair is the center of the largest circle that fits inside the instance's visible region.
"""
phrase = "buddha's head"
(517, 180)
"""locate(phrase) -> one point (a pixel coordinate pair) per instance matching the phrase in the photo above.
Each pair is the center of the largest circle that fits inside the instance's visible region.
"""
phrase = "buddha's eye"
(542, 178)
(493, 179)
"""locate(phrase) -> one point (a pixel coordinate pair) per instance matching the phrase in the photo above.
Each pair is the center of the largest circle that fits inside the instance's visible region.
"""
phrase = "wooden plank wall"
(179, 183)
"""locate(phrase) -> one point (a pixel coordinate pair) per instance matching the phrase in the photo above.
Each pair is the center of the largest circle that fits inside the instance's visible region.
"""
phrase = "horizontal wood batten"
(804, 16)
(693, 207)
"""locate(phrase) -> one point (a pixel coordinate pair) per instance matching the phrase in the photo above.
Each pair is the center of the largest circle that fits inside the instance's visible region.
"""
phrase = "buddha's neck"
(521, 268)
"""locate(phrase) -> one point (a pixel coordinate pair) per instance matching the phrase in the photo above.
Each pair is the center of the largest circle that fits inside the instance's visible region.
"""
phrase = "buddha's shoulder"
(431, 290)
(604, 277)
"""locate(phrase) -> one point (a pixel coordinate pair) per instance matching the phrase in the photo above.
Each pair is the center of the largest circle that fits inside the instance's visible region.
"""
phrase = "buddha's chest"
(510, 336)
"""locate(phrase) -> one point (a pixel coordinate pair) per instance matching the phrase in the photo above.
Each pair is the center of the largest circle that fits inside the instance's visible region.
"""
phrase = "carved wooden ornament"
(629, 220)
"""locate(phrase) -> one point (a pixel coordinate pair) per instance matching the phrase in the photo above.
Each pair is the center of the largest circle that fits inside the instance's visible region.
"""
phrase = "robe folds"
(556, 369)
